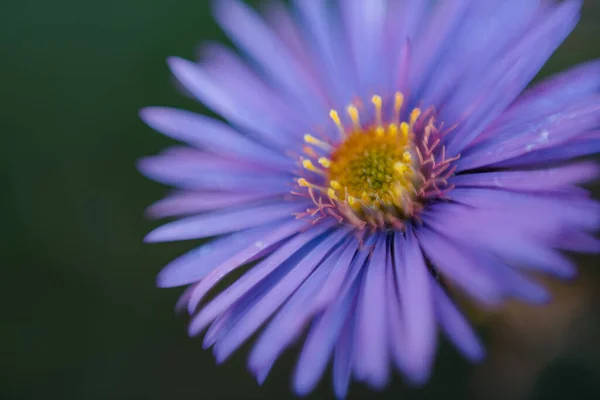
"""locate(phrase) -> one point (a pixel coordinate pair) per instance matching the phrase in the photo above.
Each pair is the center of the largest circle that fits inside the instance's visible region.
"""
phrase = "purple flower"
(375, 158)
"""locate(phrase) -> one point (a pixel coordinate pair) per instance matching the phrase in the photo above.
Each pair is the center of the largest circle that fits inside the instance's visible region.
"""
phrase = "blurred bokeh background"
(82, 316)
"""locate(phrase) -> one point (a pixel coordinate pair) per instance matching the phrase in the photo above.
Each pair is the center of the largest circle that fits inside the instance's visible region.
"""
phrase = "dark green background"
(82, 317)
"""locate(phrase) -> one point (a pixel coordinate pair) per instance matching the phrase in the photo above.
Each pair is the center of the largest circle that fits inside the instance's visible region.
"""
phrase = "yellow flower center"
(373, 165)
(372, 176)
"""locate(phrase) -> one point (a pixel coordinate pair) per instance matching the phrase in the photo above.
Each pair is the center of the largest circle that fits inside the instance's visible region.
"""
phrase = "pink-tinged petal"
(459, 267)
(223, 221)
(455, 326)
(250, 33)
(372, 362)
(418, 316)
(273, 299)
(211, 135)
(188, 203)
(530, 181)
(290, 321)
(326, 330)
(198, 263)
(229, 296)
(502, 83)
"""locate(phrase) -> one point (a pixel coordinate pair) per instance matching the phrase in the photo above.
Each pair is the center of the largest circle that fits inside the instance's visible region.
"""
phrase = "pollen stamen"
(307, 164)
(310, 139)
(353, 113)
(325, 162)
(338, 122)
(380, 174)
(398, 100)
(377, 102)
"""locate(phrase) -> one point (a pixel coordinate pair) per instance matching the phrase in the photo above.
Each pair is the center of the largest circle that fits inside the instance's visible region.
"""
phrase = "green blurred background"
(82, 316)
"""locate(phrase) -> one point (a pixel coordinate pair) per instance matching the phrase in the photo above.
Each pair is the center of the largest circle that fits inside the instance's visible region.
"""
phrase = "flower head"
(376, 156)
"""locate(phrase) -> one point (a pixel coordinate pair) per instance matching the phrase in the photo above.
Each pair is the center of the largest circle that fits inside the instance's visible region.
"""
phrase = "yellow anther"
(353, 113)
(336, 118)
(393, 129)
(352, 201)
(401, 167)
(331, 194)
(404, 128)
(380, 131)
(310, 166)
(398, 100)
(407, 157)
(325, 162)
(414, 116)
(335, 184)
(310, 139)
(376, 100)
(303, 182)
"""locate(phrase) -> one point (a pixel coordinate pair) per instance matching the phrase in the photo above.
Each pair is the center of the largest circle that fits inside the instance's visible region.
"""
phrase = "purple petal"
(518, 237)
(264, 307)
(326, 330)
(459, 266)
(289, 322)
(249, 32)
(501, 84)
(223, 221)
(323, 31)
(372, 363)
(537, 180)
(365, 23)
(455, 326)
(192, 169)
(403, 21)
(483, 38)
(235, 75)
(222, 257)
(554, 213)
(188, 203)
(197, 263)
(209, 134)
(241, 286)
(578, 241)
(201, 84)
(416, 299)
(343, 356)
(544, 133)
(515, 283)
(550, 95)
(429, 43)
(583, 145)
(341, 273)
